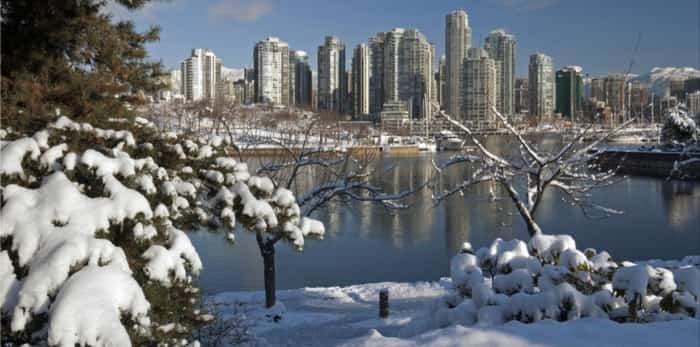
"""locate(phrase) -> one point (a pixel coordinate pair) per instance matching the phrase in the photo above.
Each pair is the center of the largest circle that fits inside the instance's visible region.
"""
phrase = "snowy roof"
(576, 68)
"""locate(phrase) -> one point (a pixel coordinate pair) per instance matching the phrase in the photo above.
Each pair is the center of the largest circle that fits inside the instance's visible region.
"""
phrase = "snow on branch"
(531, 151)
(567, 169)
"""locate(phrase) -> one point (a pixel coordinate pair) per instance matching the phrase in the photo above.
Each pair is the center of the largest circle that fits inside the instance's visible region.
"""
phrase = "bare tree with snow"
(339, 175)
(533, 172)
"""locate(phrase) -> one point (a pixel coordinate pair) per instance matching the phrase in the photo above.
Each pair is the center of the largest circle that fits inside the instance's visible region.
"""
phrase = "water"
(364, 243)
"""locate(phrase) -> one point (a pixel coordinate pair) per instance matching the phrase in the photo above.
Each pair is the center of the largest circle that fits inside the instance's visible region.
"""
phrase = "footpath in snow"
(348, 316)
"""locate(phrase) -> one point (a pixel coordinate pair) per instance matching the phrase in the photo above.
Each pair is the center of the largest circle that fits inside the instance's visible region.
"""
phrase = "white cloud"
(526, 5)
(149, 10)
(240, 10)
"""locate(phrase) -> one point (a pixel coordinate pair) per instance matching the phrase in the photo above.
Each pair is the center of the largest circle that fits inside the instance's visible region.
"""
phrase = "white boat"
(635, 136)
(427, 146)
(452, 144)
(448, 141)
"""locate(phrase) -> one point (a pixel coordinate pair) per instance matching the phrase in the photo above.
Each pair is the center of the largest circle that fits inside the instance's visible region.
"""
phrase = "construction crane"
(627, 74)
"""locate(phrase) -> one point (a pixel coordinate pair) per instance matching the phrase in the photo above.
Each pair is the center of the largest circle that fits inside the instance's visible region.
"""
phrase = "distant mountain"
(660, 77)
(231, 74)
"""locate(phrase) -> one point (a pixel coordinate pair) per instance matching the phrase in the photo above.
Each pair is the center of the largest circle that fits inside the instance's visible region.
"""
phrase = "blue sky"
(598, 35)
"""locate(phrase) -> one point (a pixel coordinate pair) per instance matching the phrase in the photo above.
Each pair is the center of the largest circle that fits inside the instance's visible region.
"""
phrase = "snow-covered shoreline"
(348, 316)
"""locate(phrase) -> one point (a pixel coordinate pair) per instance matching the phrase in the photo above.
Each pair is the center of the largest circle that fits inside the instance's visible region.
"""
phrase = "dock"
(653, 162)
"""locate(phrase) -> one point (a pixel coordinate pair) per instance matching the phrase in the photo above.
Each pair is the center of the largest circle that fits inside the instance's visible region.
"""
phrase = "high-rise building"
(300, 78)
(392, 43)
(360, 79)
(175, 82)
(376, 74)
(226, 90)
(415, 72)
(292, 71)
(479, 85)
(331, 75)
(348, 102)
(615, 93)
(522, 101)
(271, 65)
(458, 39)
(570, 92)
(639, 100)
(433, 82)
(693, 100)
(437, 87)
(676, 87)
(401, 69)
(501, 48)
(200, 75)
(541, 83)
(442, 82)
(692, 85)
(244, 88)
(598, 89)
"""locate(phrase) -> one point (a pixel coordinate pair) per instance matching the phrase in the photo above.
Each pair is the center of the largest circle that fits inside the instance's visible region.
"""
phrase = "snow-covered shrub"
(550, 279)
(94, 249)
(678, 126)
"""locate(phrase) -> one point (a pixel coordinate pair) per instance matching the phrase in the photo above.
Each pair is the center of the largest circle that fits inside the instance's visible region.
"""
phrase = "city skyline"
(600, 37)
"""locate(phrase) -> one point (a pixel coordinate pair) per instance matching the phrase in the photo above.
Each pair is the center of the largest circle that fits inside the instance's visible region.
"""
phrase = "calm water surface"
(364, 243)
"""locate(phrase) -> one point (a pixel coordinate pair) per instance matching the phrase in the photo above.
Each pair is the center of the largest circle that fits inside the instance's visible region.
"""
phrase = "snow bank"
(348, 316)
(583, 333)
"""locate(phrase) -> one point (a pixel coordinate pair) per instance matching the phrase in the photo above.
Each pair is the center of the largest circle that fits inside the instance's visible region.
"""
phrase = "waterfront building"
(457, 41)
(693, 100)
(676, 87)
(479, 87)
(200, 75)
(361, 80)
(331, 85)
(401, 69)
(615, 94)
(541, 83)
(570, 92)
(598, 89)
(271, 70)
(300, 78)
(522, 101)
(639, 102)
(501, 48)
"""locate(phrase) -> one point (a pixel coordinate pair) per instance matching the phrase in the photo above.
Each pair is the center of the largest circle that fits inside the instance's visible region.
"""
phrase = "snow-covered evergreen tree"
(678, 127)
(92, 229)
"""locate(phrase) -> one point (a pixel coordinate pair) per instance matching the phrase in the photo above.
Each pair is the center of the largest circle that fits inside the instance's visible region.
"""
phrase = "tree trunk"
(532, 227)
(268, 255)
(267, 251)
(269, 261)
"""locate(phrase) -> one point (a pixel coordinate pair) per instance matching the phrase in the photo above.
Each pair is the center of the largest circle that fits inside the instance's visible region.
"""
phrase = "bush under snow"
(548, 278)
(92, 231)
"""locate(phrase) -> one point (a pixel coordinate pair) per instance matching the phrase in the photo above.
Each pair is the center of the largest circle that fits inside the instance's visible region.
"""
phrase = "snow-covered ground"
(348, 316)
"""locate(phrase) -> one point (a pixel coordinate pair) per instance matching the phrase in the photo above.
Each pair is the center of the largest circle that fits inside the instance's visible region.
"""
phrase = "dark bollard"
(384, 303)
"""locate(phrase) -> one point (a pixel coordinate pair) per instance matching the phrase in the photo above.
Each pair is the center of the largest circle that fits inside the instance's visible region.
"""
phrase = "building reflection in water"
(365, 243)
(681, 200)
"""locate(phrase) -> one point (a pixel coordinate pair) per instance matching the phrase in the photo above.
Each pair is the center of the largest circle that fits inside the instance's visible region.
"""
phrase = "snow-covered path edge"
(348, 316)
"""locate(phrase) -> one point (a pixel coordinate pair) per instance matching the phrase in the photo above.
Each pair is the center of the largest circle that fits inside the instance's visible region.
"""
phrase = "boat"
(452, 144)
(449, 141)
(428, 146)
(633, 135)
